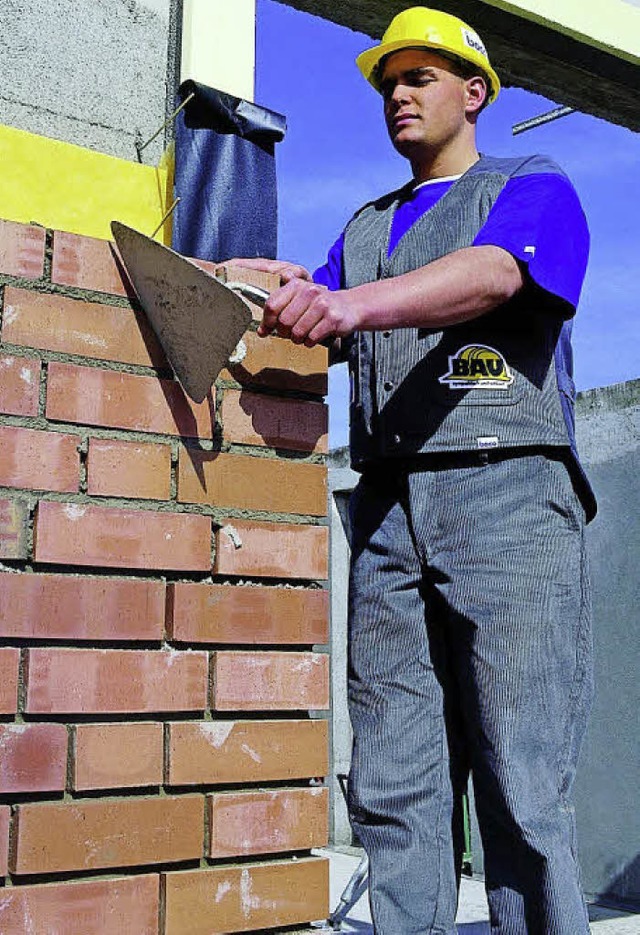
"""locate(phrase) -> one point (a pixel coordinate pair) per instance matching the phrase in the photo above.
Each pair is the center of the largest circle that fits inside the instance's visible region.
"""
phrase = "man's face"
(424, 100)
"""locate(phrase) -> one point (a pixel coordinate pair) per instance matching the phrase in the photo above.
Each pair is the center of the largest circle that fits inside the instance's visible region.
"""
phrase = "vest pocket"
(475, 373)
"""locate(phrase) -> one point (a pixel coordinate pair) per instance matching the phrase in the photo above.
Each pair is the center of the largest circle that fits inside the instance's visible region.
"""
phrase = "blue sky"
(336, 156)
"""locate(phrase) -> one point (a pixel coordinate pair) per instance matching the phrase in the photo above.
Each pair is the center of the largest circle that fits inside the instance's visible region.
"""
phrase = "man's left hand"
(308, 313)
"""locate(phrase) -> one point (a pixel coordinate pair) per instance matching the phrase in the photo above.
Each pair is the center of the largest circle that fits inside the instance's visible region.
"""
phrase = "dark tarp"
(225, 176)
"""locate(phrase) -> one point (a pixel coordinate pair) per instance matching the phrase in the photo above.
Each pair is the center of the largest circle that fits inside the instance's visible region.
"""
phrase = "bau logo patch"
(477, 367)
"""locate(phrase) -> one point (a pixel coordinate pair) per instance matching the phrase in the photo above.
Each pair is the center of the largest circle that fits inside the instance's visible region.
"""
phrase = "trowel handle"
(253, 293)
(260, 296)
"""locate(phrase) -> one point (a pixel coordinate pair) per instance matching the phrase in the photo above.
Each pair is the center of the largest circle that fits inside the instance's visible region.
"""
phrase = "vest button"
(386, 334)
(397, 439)
(388, 385)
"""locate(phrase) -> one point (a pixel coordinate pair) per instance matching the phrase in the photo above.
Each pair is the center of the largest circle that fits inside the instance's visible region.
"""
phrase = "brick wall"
(162, 617)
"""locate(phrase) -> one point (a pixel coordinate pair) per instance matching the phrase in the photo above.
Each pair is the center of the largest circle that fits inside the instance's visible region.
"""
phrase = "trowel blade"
(197, 319)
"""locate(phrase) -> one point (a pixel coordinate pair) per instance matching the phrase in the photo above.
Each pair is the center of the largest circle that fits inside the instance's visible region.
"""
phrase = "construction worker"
(469, 625)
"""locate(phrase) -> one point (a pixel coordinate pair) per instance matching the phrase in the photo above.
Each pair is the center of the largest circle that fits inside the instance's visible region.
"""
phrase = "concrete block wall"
(163, 617)
(608, 429)
(98, 74)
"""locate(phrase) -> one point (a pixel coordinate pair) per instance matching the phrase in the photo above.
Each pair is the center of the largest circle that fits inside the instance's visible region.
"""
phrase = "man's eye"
(410, 80)
(418, 80)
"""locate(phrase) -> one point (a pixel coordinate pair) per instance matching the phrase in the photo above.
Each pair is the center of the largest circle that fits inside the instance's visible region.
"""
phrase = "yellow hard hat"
(419, 28)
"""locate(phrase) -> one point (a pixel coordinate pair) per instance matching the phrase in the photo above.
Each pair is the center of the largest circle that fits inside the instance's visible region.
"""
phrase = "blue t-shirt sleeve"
(331, 274)
(538, 218)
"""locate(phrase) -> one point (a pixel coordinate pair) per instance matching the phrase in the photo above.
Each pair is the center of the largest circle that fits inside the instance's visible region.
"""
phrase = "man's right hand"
(299, 307)
(286, 271)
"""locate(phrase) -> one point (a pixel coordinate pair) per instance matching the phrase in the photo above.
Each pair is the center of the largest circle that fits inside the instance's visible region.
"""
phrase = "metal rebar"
(165, 216)
(170, 119)
(541, 119)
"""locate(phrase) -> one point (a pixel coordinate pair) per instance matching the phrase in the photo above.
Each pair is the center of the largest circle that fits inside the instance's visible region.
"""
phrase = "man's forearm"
(456, 288)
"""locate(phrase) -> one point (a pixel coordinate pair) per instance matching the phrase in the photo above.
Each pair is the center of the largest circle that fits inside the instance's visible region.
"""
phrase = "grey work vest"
(487, 383)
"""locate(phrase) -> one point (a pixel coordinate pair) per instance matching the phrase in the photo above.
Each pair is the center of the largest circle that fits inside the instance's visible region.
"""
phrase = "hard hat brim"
(369, 60)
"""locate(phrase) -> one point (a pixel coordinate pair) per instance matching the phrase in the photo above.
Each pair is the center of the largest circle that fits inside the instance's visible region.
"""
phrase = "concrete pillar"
(218, 45)
(610, 25)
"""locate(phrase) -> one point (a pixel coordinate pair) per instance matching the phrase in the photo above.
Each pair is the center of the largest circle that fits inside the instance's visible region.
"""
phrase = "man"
(469, 622)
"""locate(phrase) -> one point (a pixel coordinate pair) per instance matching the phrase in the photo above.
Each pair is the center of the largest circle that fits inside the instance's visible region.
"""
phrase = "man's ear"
(477, 93)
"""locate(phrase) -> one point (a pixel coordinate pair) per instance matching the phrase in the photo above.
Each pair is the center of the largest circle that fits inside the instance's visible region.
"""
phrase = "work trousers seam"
(439, 834)
(580, 674)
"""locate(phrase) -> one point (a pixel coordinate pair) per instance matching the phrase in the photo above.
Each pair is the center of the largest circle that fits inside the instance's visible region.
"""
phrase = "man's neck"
(444, 164)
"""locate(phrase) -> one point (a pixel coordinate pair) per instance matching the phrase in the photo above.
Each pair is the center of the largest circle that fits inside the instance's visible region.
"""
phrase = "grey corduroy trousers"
(470, 653)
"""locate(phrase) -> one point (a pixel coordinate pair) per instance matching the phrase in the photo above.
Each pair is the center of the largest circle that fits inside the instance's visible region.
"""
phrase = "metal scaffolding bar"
(541, 119)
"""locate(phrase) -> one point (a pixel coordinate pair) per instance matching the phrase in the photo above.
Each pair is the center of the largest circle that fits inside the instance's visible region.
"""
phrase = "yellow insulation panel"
(67, 187)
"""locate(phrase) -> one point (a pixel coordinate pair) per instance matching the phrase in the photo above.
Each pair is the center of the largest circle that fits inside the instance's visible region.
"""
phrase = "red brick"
(19, 385)
(208, 265)
(93, 907)
(253, 419)
(222, 613)
(270, 681)
(89, 396)
(111, 756)
(272, 550)
(14, 517)
(251, 483)
(129, 469)
(212, 752)
(73, 534)
(279, 363)
(33, 757)
(253, 896)
(269, 822)
(88, 263)
(228, 273)
(9, 665)
(71, 326)
(22, 250)
(5, 817)
(90, 834)
(63, 681)
(65, 607)
(39, 460)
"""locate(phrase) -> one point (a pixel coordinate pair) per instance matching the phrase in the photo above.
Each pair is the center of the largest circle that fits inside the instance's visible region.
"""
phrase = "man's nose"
(399, 94)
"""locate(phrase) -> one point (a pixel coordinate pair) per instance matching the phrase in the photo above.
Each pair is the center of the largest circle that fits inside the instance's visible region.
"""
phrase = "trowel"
(198, 320)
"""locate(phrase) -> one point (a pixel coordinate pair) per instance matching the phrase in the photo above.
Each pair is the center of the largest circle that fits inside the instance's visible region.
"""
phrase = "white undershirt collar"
(444, 178)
